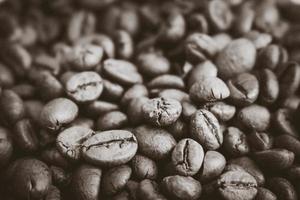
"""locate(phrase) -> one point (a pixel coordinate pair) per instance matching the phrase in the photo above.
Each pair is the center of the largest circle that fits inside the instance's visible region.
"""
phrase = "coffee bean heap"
(149, 100)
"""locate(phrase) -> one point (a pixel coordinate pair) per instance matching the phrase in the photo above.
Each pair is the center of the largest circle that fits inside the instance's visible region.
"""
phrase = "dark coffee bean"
(84, 86)
(254, 117)
(181, 187)
(198, 22)
(46, 138)
(83, 122)
(115, 179)
(135, 110)
(53, 193)
(259, 39)
(174, 94)
(33, 109)
(267, 16)
(179, 129)
(293, 173)
(166, 81)
(161, 111)
(269, 86)
(244, 89)
(209, 89)
(251, 167)
(25, 136)
(149, 190)
(288, 142)
(289, 80)
(69, 141)
(58, 112)
(12, 107)
(124, 44)
(205, 128)
(275, 159)
(222, 39)
(244, 20)
(200, 47)
(112, 91)
(132, 187)
(48, 62)
(136, 91)
(265, 194)
(206, 68)
(235, 142)
(85, 183)
(143, 167)
(153, 64)
(223, 111)
(111, 120)
(260, 141)
(188, 109)
(283, 122)
(53, 157)
(235, 185)
(282, 188)
(60, 177)
(98, 107)
(187, 157)
(122, 71)
(219, 15)
(110, 148)
(6, 146)
(7, 78)
(213, 165)
(25, 91)
(233, 60)
(291, 103)
(154, 142)
(31, 178)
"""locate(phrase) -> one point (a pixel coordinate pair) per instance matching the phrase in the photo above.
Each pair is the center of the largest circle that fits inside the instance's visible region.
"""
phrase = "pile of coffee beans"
(149, 100)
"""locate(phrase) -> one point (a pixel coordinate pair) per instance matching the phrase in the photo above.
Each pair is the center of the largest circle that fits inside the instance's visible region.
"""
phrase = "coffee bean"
(181, 187)
(205, 128)
(209, 89)
(174, 94)
(143, 167)
(149, 190)
(85, 183)
(289, 80)
(69, 141)
(269, 86)
(260, 141)
(235, 142)
(115, 179)
(223, 111)
(83, 122)
(136, 91)
(84, 86)
(282, 188)
(198, 22)
(31, 178)
(52, 156)
(222, 39)
(109, 148)
(25, 91)
(166, 81)
(60, 177)
(135, 110)
(236, 185)
(288, 142)
(244, 20)
(234, 59)
(187, 157)
(98, 107)
(179, 129)
(263, 193)
(6, 146)
(124, 44)
(283, 122)
(260, 40)
(188, 109)
(213, 165)
(293, 174)
(7, 78)
(154, 142)
(275, 159)
(33, 109)
(122, 72)
(112, 91)
(161, 111)
(244, 89)
(57, 113)
(111, 120)
(291, 102)
(254, 117)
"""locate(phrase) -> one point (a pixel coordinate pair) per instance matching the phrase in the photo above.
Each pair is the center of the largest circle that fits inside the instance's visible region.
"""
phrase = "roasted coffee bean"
(115, 179)
(260, 40)
(143, 167)
(46, 138)
(60, 177)
(153, 64)
(265, 194)
(98, 107)
(85, 183)
(25, 91)
(136, 91)
(112, 91)
(149, 190)
(289, 80)
(156, 143)
(122, 72)
(53, 193)
(135, 110)
(293, 173)
(161, 111)
(111, 120)
(205, 128)
(237, 185)
(31, 178)
(166, 81)
(275, 159)
(223, 111)
(84, 122)
(209, 89)
(84, 86)
(52, 156)
(124, 44)
(57, 113)
(254, 117)
(260, 141)
(213, 165)
(33, 109)
(181, 187)
(12, 107)
(187, 157)
(174, 94)
(188, 109)
(234, 60)
(6, 146)
(291, 102)
(70, 141)
(7, 77)
(109, 148)
(283, 122)
(282, 188)
(269, 86)
(244, 20)
(25, 135)
(244, 89)
(251, 167)
(179, 129)
(198, 22)
(235, 142)
(288, 142)
(223, 39)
